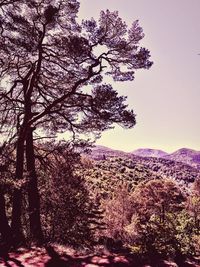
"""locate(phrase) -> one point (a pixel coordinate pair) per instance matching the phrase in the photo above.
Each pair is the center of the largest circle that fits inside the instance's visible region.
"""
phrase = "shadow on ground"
(65, 260)
(87, 261)
(52, 257)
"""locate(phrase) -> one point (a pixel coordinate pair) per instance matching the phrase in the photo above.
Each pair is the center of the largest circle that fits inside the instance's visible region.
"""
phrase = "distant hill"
(186, 155)
(148, 152)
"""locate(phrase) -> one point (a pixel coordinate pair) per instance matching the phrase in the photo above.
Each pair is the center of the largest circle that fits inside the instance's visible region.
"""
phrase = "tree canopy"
(50, 65)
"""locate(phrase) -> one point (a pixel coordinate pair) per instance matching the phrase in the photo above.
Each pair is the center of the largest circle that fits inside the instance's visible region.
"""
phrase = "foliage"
(151, 218)
(50, 59)
(157, 197)
(118, 212)
(161, 223)
(104, 175)
(68, 213)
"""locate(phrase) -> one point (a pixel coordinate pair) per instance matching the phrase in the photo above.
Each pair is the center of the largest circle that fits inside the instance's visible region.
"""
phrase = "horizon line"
(128, 151)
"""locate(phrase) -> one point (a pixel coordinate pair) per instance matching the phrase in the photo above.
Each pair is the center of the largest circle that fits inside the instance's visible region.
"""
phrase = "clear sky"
(165, 98)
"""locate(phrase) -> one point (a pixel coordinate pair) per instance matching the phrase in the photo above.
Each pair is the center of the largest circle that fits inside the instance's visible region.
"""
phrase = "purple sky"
(165, 98)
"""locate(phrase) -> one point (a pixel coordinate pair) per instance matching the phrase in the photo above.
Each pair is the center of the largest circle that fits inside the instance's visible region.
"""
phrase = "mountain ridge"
(149, 152)
(187, 156)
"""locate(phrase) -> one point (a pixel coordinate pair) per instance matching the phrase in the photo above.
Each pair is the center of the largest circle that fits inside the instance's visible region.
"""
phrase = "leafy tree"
(193, 208)
(52, 79)
(160, 224)
(118, 212)
(69, 214)
(157, 197)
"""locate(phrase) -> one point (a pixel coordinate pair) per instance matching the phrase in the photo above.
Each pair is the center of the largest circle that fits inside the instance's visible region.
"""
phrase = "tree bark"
(5, 229)
(16, 225)
(33, 194)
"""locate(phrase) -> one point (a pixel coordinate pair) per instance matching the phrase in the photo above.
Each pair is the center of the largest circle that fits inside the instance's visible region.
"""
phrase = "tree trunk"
(163, 213)
(16, 225)
(33, 195)
(5, 229)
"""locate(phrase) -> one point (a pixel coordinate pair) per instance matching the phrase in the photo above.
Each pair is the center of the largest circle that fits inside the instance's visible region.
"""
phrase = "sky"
(166, 98)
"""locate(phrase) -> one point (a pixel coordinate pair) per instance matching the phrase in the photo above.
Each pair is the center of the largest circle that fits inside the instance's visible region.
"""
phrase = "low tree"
(193, 208)
(157, 197)
(118, 210)
(159, 212)
(69, 214)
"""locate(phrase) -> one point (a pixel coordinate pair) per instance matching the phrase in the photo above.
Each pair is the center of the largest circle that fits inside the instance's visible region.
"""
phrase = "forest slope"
(109, 167)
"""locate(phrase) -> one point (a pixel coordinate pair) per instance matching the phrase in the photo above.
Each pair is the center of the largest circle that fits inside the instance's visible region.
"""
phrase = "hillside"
(119, 167)
(185, 155)
(102, 152)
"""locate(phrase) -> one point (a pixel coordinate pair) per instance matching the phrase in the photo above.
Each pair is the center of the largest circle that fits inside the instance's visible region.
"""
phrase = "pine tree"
(52, 79)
